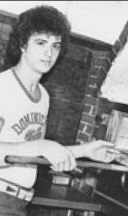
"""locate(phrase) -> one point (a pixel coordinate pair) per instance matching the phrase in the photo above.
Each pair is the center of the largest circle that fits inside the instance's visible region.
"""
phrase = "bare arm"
(51, 150)
(62, 158)
(32, 148)
(99, 150)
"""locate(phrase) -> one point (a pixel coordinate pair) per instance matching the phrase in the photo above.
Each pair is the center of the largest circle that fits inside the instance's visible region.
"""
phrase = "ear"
(22, 50)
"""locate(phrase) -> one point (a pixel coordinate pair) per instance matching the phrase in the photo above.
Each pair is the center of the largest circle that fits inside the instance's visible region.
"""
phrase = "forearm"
(55, 153)
(80, 151)
(32, 149)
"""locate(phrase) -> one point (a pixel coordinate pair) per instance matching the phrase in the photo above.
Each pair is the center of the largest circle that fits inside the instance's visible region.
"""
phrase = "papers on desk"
(123, 157)
(104, 166)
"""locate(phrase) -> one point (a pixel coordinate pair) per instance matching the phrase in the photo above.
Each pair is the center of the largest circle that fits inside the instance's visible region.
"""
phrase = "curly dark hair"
(36, 20)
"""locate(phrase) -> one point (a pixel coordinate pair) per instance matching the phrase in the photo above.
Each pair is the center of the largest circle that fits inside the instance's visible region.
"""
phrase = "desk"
(107, 198)
(65, 197)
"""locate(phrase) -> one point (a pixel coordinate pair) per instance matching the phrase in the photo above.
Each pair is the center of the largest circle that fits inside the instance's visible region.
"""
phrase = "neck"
(27, 76)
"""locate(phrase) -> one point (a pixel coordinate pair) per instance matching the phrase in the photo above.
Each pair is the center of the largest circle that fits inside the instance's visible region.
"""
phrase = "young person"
(38, 39)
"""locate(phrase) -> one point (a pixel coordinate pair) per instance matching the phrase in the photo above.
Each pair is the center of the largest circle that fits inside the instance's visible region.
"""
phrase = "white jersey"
(21, 119)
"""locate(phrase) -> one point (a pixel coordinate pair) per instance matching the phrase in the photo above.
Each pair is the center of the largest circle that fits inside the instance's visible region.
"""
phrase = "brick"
(79, 142)
(88, 129)
(92, 81)
(101, 54)
(87, 108)
(107, 66)
(91, 100)
(95, 71)
(103, 73)
(83, 137)
(126, 25)
(102, 76)
(101, 62)
(117, 46)
(112, 56)
(93, 86)
(81, 126)
(88, 119)
(94, 110)
(123, 39)
(91, 91)
(125, 30)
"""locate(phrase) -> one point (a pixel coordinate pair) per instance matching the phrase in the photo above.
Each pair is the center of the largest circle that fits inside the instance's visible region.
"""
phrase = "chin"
(46, 69)
(43, 71)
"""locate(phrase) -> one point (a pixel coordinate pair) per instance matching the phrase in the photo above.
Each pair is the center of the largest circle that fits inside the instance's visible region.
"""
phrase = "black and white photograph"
(63, 108)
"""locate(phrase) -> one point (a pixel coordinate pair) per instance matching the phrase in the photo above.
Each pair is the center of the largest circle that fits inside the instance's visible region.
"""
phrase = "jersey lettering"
(33, 134)
(28, 119)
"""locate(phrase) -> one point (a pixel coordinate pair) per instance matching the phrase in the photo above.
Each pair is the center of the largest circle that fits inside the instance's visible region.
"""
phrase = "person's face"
(41, 51)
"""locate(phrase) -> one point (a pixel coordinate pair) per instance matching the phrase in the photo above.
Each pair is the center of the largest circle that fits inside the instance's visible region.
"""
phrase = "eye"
(57, 46)
(41, 43)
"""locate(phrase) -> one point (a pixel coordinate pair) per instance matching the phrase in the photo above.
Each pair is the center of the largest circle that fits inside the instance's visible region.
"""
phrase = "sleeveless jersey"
(21, 119)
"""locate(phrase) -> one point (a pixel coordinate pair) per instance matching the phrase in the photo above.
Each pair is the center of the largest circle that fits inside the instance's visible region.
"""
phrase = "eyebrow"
(45, 40)
(57, 42)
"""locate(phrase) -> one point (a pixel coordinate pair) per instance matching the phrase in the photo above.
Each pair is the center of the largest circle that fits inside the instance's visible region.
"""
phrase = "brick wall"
(121, 41)
(67, 85)
(73, 87)
(93, 106)
(103, 62)
(6, 22)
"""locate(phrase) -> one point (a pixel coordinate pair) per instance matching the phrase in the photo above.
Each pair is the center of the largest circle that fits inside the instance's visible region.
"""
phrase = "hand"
(101, 151)
(60, 157)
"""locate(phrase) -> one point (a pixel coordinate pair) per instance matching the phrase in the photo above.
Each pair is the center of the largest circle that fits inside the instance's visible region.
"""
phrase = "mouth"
(46, 61)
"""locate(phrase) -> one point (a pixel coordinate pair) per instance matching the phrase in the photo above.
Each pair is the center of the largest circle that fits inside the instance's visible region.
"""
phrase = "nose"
(48, 51)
